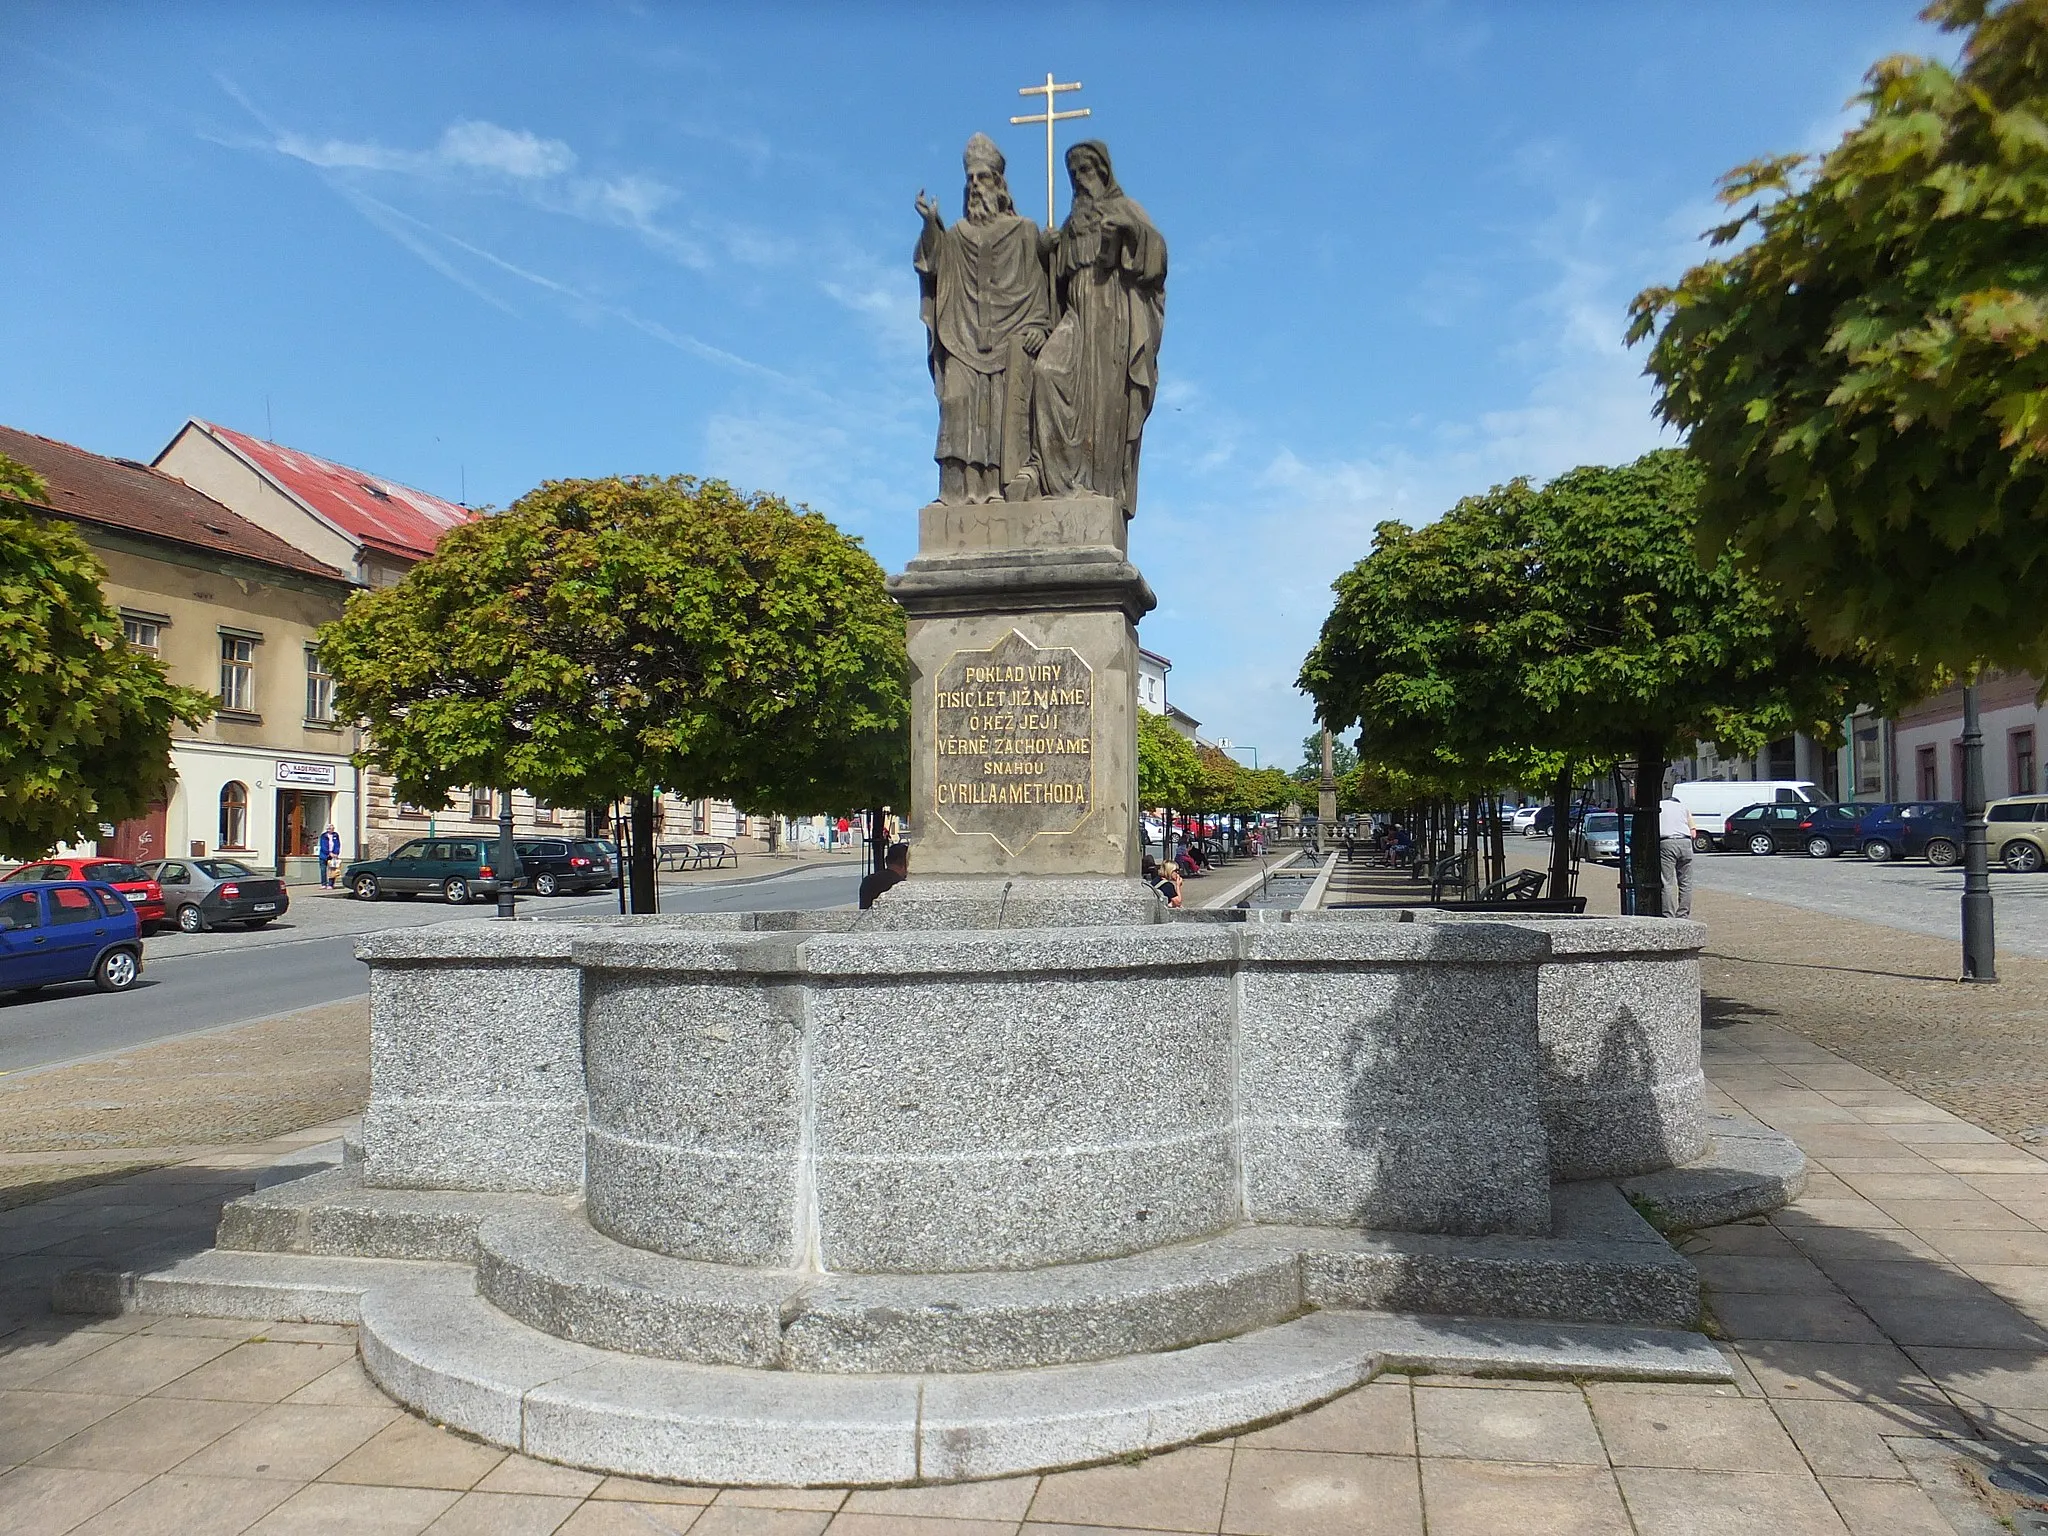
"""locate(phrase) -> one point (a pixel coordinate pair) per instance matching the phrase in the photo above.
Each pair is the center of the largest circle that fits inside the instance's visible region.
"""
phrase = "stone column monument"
(1023, 602)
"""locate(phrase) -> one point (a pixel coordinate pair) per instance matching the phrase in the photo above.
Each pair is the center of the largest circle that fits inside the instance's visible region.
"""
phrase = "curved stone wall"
(1619, 1019)
(920, 1102)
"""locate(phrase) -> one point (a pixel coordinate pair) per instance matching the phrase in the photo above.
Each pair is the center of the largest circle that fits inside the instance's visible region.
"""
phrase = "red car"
(142, 894)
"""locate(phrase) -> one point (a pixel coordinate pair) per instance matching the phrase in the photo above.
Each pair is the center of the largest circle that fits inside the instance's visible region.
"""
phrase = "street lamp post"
(507, 855)
(1980, 945)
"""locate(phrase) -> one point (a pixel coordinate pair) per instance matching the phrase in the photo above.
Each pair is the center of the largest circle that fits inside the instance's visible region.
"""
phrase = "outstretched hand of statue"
(930, 211)
(1033, 338)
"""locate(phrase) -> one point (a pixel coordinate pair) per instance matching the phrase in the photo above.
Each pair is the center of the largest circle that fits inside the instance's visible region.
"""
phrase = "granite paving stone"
(338, 1509)
(1376, 1419)
(32, 1422)
(1549, 1427)
(1487, 1498)
(291, 1441)
(1847, 1439)
(1181, 1490)
(1779, 1315)
(620, 1518)
(1670, 1502)
(1007, 1498)
(184, 1504)
(738, 1521)
(148, 1436)
(266, 1371)
(1700, 1434)
(1318, 1493)
(1872, 1508)
(409, 1453)
(503, 1514)
(42, 1501)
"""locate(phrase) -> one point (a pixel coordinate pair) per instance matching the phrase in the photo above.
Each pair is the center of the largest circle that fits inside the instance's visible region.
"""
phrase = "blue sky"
(472, 247)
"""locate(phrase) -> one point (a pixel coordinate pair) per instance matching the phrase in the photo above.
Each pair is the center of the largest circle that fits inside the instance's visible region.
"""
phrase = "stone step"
(539, 1261)
(1746, 1169)
(334, 1212)
(445, 1352)
(439, 1348)
(261, 1286)
(553, 1271)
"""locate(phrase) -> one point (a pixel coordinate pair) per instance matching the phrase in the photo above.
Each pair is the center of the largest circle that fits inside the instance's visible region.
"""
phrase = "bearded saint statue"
(988, 308)
(1097, 374)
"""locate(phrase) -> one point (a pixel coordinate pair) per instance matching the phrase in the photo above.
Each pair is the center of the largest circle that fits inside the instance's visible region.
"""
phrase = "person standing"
(894, 871)
(329, 848)
(1674, 856)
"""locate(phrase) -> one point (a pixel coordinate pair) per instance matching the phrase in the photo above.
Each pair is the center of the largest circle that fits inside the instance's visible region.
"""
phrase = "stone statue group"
(1044, 344)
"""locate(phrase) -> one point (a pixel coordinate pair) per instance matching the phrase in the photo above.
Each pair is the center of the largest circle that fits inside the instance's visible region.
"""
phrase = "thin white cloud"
(508, 151)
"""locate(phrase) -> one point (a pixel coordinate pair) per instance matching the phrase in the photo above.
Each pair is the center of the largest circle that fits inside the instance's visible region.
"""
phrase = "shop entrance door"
(301, 818)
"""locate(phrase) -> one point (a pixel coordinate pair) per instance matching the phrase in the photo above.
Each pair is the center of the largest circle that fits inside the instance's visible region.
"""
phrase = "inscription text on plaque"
(1014, 740)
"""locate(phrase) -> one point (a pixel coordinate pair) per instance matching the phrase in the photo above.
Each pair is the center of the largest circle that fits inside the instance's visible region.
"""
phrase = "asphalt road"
(1908, 894)
(207, 981)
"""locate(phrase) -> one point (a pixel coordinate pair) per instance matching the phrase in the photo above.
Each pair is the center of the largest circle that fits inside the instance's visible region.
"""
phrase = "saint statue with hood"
(987, 307)
(1097, 374)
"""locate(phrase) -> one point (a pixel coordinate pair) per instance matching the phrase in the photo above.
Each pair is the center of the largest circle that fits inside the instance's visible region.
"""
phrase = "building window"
(144, 635)
(238, 674)
(1930, 773)
(544, 812)
(2023, 761)
(480, 807)
(319, 689)
(234, 814)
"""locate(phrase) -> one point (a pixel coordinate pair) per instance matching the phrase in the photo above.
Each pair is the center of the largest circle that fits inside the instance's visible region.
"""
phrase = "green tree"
(1864, 375)
(608, 639)
(1574, 620)
(1170, 772)
(85, 722)
(1343, 757)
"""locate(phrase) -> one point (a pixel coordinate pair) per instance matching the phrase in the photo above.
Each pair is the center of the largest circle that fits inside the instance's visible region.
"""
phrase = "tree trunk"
(1561, 833)
(645, 898)
(1648, 863)
(1496, 843)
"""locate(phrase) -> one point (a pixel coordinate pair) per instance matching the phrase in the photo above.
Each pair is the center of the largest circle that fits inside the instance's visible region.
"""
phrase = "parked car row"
(460, 869)
(1884, 831)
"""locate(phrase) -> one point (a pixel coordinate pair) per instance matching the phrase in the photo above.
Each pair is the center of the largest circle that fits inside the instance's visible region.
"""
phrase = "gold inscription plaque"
(1013, 741)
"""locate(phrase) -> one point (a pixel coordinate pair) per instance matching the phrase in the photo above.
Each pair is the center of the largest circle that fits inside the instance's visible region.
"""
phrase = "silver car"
(205, 893)
(1600, 838)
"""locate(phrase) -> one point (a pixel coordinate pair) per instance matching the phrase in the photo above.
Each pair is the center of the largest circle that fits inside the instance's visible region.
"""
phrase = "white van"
(1713, 801)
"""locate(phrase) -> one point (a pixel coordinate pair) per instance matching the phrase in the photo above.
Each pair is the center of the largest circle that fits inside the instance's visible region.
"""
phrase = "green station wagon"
(457, 869)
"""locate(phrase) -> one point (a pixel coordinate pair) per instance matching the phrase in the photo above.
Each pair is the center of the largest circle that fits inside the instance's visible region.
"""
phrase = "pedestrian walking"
(894, 871)
(1674, 856)
(329, 848)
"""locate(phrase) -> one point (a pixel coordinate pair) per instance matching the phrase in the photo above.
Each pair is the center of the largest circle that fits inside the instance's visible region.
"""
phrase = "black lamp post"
(1980, 944)
(508, 857)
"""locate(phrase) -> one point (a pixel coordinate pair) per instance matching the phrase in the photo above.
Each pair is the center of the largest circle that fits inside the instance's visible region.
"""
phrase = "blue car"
(54, 931)
(1929, 829)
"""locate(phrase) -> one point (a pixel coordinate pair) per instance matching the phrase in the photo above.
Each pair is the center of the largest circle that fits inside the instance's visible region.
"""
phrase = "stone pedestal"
(1024, 666)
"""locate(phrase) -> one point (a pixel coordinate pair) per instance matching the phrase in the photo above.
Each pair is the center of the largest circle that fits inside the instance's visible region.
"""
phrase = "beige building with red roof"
(372, 528)
(230, 608)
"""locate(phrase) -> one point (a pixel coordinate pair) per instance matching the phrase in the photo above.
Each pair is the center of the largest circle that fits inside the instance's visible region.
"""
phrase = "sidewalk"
(1889, 1332)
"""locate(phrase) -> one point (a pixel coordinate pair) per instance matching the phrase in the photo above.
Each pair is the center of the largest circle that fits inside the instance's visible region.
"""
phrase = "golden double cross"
(1049, 117)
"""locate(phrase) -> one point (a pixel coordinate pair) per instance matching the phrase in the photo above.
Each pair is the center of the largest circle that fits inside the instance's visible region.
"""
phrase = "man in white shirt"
(1674, 856)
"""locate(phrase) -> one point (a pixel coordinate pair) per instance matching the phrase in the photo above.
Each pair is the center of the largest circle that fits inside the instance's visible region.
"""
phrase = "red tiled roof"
(120, 493)
(380, 513)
